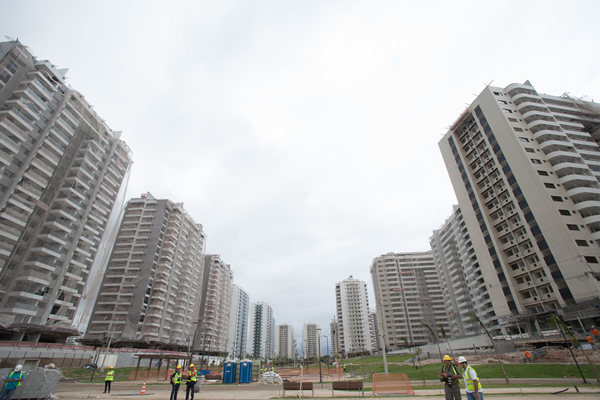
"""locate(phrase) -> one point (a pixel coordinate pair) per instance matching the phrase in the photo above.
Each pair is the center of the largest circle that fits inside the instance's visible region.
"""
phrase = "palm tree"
(476, 318)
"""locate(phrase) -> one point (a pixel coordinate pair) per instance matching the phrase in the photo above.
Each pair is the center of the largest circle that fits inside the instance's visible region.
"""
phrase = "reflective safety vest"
(193, 376)
(12, 375)
(470, 383)
(176, 378)
(110, 375)
(452, 370)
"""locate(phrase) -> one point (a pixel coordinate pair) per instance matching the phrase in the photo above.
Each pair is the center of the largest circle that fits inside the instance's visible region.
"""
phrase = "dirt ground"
(553, 356)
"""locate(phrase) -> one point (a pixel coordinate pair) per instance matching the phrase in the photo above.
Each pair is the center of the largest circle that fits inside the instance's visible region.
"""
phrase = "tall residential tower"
(61, 193)
(352, 306)
(525, 167)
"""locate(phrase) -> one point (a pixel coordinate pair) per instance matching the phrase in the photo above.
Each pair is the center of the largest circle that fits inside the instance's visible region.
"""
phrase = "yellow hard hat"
(447, 358)
(110, 367)
(191, 365)
(178, 366)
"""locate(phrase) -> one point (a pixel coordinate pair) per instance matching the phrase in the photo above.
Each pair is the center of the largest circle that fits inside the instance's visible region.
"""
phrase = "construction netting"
(392, 384)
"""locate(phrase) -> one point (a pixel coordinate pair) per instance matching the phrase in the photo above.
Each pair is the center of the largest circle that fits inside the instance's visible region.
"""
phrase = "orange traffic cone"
(143, 391)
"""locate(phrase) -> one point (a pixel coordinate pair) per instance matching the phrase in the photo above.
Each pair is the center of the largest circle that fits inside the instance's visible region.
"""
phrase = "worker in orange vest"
(527, 356)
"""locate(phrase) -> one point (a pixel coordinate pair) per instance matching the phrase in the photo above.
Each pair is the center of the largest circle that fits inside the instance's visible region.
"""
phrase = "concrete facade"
(458, 268)
(150, 292)
(262, 331)
(352, 306)
(525, 167)
(408, 294)
(310, 340)
(61, 193)
(238, 323)
(284, 341)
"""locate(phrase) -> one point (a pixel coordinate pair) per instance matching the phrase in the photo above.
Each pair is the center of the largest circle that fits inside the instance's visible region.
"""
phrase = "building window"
(542, 173)
(572, 227)
(564, 212)
(591, 259)
(523, 139)
(556, 198)
(550, 185)
(535, 161)
(517, 129)
(582, 243)
(529, 150)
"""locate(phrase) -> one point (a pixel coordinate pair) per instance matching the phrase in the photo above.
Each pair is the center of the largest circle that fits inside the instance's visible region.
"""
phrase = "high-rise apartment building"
(525, 167)
(150, 293)
(238, 323)
(262, 330)
(335, 344)
(408, 295)
(310, 340)
(61, 193)
(285, 345)
(463, 292)
(215, 306)
(352, 307)
(374, 330)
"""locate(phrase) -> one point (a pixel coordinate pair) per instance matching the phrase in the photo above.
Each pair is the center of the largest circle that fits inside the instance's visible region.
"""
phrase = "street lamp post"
(328, 357)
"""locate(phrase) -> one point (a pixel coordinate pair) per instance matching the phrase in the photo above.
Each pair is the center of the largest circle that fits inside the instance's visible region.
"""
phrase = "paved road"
(259, 391)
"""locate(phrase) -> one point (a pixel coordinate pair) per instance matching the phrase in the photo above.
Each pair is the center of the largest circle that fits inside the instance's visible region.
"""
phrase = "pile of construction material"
(40, 383)
(271, 377)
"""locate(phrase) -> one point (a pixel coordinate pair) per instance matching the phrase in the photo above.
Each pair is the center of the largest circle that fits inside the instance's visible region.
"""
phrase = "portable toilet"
(229, 371)
(245, 371)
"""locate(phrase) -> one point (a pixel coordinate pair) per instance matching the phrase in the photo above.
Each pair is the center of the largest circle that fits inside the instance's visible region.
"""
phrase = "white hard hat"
(18, 368)
(461, 359)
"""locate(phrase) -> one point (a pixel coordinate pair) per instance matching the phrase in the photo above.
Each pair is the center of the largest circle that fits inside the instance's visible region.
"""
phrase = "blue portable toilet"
(229, 371)
(245, 371)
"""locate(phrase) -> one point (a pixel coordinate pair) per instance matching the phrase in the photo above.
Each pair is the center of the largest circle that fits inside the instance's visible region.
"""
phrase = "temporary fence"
(392, 384)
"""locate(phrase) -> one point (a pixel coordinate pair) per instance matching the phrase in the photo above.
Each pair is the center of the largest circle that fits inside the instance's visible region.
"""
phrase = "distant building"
(212, 334)
(150, 292)
(408, 294)
(333, 332)
(525, 167)
(310, 340)
(284, 341)
(352, 304)
(374, 330)
(262, 331)
(238, 323)
(458, 268)
(63, 181)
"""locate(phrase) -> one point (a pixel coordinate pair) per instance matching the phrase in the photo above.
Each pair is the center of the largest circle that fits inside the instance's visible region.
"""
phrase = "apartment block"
(284, 341)
(408, 295)
(150, 293)
(463, 291)
(62, 186)
(335, 344)
(352, 307)
(238, 323)
(262, 331)
(525, 168)
(215, 306)
(310, 340)
(375, 331)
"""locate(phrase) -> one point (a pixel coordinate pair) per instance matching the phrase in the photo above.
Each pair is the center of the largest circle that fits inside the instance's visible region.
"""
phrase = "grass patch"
(485, 371)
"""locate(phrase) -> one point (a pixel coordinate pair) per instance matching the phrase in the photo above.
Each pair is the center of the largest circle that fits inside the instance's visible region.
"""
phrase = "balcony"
(527, 105)
(544, 135)
(570, 168)
(577, 180)
(557, 156)
(537, 126)
(588, 207)
(536, 115)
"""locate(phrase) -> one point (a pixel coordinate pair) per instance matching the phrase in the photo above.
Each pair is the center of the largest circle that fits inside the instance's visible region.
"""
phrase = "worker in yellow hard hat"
(450, 376)
(110, 375)
(175, 382)
(192, 378)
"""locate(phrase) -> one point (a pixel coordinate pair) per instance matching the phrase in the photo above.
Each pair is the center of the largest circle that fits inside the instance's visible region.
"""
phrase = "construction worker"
(175, 382)
(192, 378)
(12, 382)
(474, 389)
(450, 376)
(594, 332)
(110, 376)
(527, 355)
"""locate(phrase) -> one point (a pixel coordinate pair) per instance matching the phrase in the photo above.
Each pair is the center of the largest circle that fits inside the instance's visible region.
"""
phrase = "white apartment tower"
(408, 294)
(238, 323)
(459, 271)
(310, 340)
(262, 331)
(150, 293)
(352, 306)
(284, 341)
(525, 167)
(62, 185)
(215, 306)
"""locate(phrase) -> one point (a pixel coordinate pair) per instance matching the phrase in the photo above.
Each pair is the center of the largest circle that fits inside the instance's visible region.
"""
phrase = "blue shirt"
(14, 375)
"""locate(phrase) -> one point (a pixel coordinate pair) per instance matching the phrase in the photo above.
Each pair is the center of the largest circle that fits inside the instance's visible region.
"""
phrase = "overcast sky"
(303, 134)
